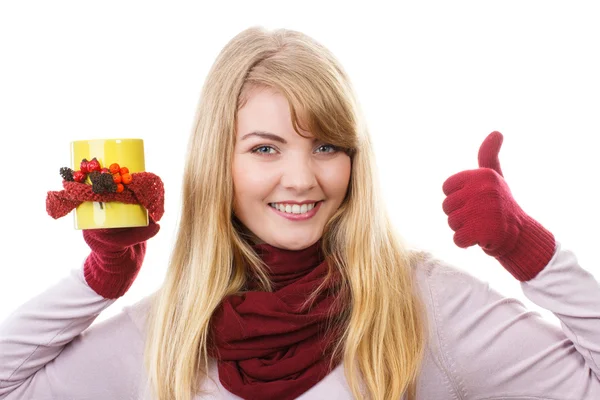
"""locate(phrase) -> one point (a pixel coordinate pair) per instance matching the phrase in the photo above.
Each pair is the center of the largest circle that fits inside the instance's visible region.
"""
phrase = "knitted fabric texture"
(269, 345)
(146, 189)
(481, 210)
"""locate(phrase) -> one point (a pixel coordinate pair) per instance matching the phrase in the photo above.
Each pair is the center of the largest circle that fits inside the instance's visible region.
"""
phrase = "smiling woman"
(286, 196)
(278, 123)
(288, 280)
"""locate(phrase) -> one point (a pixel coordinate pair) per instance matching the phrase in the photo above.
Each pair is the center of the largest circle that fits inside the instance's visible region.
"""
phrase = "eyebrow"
(267, 135)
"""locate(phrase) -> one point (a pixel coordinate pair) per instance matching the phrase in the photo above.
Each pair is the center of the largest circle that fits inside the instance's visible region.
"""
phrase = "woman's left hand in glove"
(481, 210)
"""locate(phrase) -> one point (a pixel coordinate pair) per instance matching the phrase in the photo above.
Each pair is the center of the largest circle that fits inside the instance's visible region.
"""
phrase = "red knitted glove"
(481, 210)
(116, 257)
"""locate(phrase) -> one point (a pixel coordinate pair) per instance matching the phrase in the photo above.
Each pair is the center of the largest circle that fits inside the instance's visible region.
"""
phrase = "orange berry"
(120, 187)
(126, 178)
(117, 178)
(124, 170)
(114, 168)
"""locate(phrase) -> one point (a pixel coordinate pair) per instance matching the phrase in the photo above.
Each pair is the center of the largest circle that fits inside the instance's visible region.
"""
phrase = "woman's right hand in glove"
(116, 257)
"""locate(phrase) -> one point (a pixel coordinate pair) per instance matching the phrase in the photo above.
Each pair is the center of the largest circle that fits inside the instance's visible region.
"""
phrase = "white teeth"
(293, 208)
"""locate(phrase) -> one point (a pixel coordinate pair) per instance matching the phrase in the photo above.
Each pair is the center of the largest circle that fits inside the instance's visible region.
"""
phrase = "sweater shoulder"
(438, 279)
(427, 267)
(139, 312)
(447, 294)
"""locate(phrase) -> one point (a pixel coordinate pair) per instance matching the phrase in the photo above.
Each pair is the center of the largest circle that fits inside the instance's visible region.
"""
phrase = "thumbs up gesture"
(481, 210)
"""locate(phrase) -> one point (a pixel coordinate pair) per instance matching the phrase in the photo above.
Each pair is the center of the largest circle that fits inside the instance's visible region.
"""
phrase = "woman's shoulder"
(438, 278)
(458, 307)
(458, 303)
(139, 312)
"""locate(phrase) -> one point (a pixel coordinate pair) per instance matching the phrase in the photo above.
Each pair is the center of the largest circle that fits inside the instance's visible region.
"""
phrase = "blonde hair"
(383, 336)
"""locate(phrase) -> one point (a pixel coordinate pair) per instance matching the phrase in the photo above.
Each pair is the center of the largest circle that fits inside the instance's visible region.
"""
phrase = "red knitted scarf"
(267, 345)
(145, 188)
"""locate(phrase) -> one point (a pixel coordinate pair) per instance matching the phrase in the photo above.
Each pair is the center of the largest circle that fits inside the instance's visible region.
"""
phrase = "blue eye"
(333, 148)
(258, 150)
(255, 150)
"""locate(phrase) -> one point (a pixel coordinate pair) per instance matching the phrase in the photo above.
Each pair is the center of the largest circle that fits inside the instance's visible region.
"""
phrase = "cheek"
(249, 180)
(337, 177)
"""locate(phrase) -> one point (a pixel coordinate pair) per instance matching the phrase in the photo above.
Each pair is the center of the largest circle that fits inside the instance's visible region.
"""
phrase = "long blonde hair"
(383, 329)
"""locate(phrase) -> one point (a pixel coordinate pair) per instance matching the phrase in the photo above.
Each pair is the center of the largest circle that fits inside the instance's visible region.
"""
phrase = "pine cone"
(67, 174)
(102, 183)
(108, 182)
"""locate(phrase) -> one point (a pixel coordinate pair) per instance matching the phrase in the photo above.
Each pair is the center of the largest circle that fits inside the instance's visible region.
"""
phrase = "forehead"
(266, 111)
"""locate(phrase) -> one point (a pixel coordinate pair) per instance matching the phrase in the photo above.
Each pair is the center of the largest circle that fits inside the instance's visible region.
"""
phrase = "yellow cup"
(127, 153)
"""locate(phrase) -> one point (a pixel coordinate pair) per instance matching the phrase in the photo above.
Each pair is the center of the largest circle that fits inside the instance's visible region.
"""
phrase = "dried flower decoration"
(115, 183)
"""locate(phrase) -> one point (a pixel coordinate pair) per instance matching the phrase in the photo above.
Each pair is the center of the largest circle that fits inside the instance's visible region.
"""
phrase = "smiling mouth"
(294, 209)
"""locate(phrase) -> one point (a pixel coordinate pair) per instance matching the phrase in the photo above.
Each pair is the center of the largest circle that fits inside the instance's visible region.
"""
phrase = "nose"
(299, 175)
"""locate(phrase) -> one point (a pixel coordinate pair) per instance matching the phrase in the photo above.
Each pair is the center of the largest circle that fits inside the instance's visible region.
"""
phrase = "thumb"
(488, 152)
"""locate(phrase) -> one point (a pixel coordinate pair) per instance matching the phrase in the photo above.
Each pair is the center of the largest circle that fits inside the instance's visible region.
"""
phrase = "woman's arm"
(495, 348)
(47, 353)
(43, 352)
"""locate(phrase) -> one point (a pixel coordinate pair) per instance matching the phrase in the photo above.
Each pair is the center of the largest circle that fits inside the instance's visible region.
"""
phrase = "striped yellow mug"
(125, 152)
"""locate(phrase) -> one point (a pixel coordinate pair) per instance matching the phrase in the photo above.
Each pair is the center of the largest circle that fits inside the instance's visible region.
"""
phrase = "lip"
(296, 202)
(298, 217)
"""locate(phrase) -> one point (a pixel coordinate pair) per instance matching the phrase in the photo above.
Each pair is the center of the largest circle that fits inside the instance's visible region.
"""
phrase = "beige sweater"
(481, 344)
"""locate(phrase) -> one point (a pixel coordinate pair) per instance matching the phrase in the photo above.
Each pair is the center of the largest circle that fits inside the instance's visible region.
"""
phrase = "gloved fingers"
(464, 239)
(488, 152)
(457, 181)
(453, 202)
(117, 239)
(473, 234)
(456, 221)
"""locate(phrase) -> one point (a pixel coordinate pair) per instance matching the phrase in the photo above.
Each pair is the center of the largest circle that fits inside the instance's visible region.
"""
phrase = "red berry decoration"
(94, 165)
(83, 166)
(79, 176)
(126, 178)
(114, 168)
(104, 180)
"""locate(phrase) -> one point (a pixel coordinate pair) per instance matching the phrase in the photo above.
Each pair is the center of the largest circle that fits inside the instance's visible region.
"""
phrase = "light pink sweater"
(481, 344)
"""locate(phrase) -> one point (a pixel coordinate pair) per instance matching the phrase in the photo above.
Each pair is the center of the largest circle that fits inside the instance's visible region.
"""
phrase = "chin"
(299, 244)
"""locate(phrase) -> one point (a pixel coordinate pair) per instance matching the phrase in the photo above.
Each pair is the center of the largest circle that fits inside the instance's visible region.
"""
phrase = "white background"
(434, 79)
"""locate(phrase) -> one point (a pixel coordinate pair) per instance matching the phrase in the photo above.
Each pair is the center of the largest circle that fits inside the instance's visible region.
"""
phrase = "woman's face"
(274, 166)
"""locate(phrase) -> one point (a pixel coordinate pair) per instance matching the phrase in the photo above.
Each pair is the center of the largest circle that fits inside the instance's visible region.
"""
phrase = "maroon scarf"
(267, 346)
